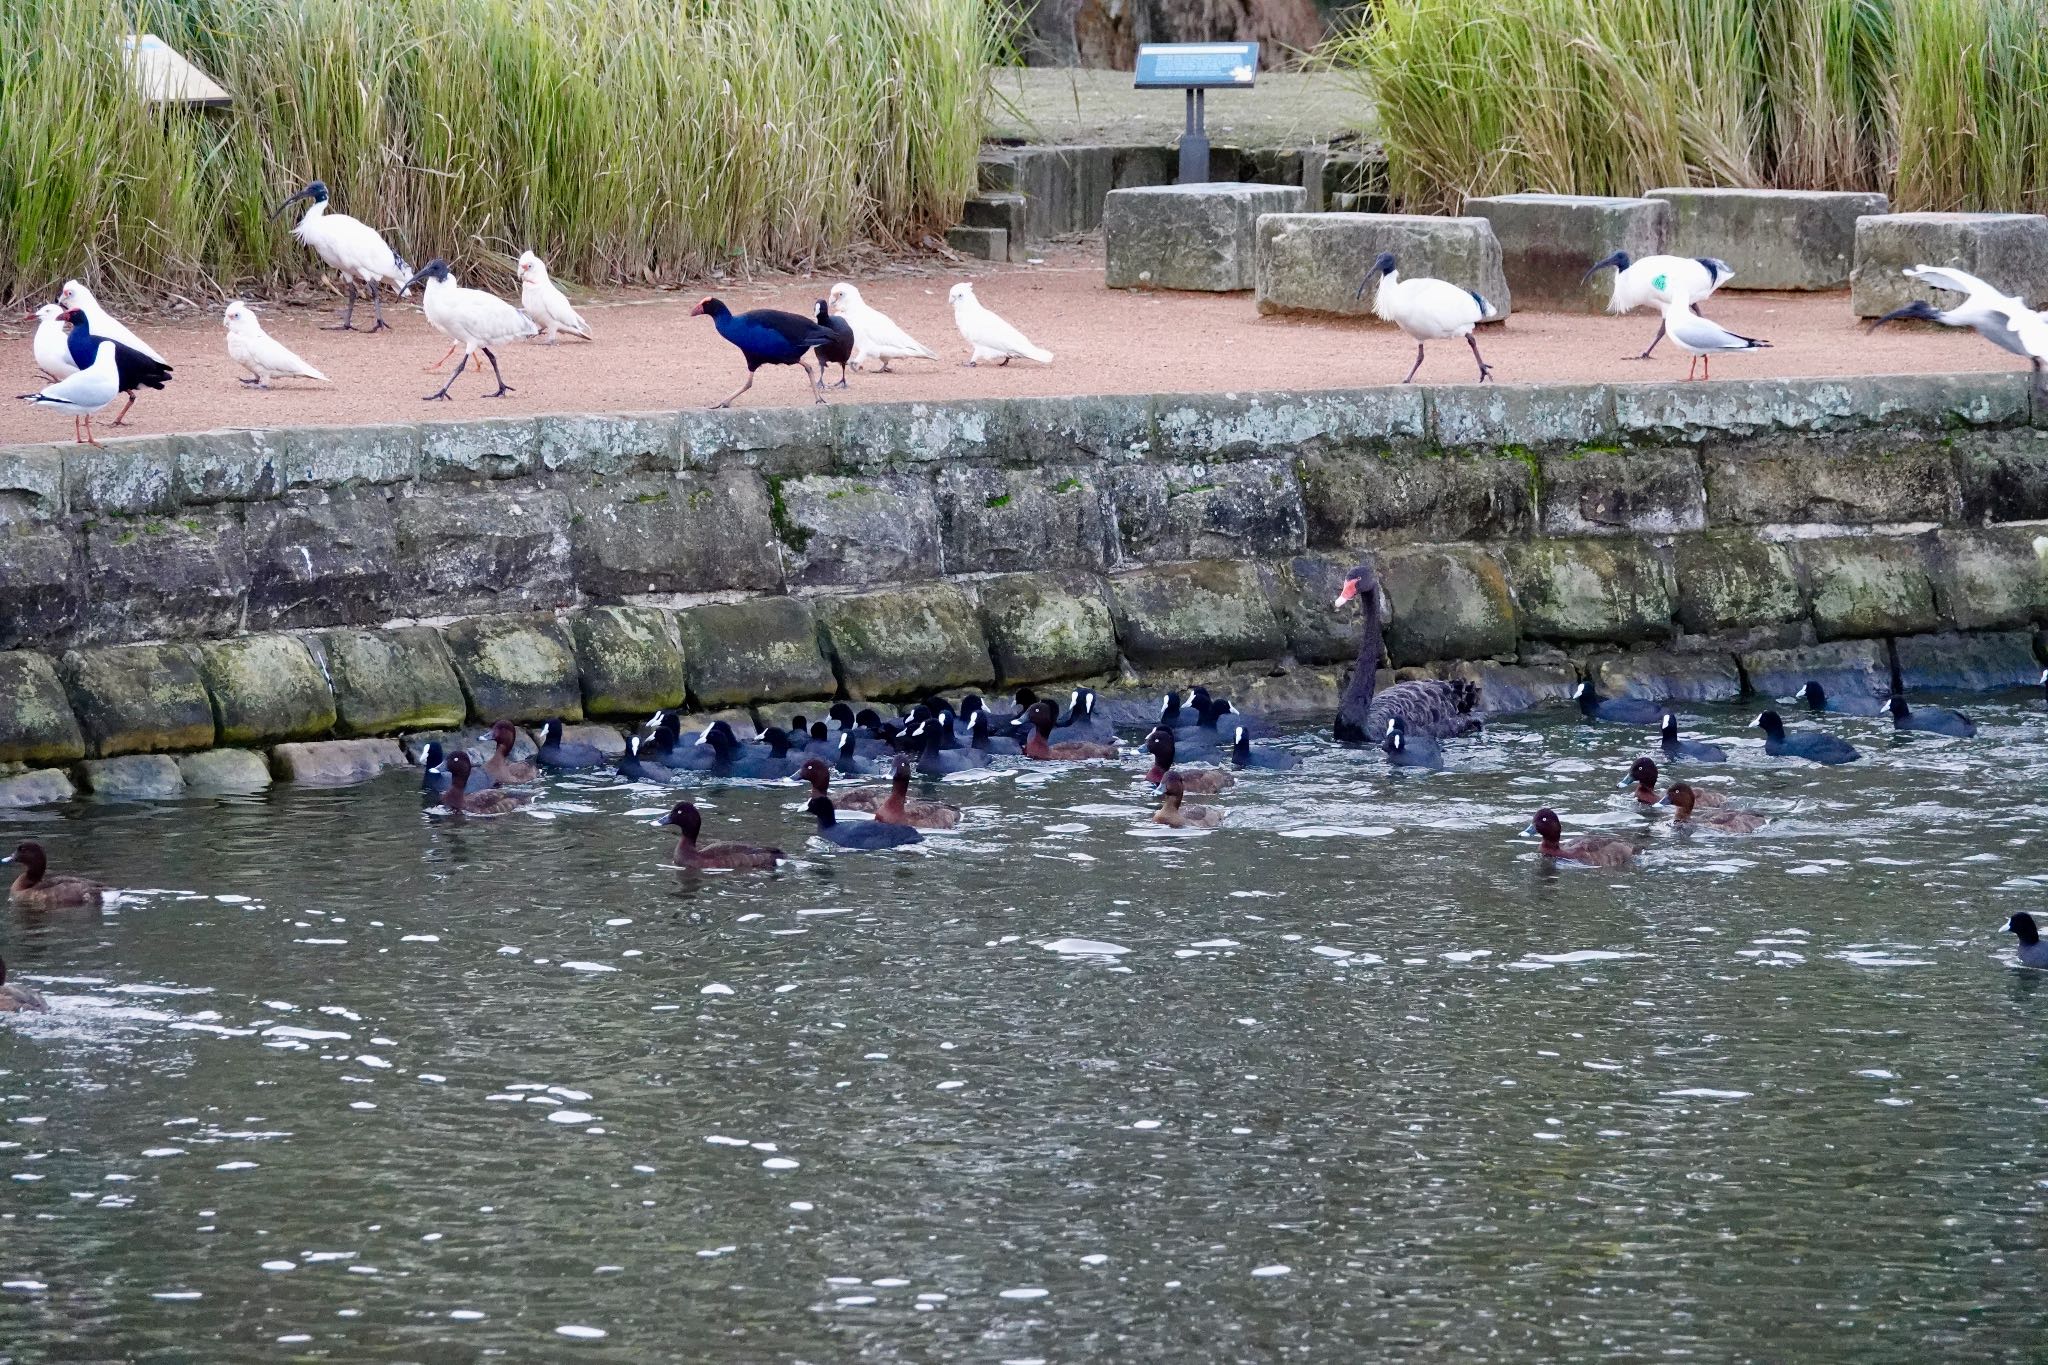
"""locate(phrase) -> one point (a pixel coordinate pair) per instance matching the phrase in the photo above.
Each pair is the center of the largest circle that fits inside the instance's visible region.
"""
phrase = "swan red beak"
(1350, 591)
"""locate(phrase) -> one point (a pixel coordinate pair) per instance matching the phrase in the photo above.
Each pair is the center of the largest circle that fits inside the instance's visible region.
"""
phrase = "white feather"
(1996, 317)
(545, 303)
(350, 246)
(261, 354)
(473, 317)
(988, 336)
(875, 334)
(1979, 293)
(53, 345)
(1696, 335)
(92, 390)
(1430, 310)
(104, 325)
(1657, 280)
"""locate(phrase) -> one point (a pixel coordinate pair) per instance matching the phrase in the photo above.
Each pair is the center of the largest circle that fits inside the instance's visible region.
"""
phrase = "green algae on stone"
(905, 641)
(265, 687)
(1046, 626)
(387, 681)
(765, 649)
(1446, 602)
(1870, 585)
(1610, 589)
(36, 724)
(631, 660)
(1193, 615)
(516, 667)
(138, 699)
(1732, 580)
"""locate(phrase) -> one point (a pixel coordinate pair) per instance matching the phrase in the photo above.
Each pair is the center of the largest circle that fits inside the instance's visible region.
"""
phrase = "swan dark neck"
(1371, 644)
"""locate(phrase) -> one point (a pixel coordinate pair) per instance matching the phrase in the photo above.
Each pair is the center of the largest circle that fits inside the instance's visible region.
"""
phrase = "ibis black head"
(316, 192)
(1382, 266)
(1619, 260)
(436, 269)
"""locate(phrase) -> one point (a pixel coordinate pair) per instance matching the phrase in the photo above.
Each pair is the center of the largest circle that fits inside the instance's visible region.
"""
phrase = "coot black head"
(1771, 723)
(1813, 694)
(821, 806)
(2023, 925)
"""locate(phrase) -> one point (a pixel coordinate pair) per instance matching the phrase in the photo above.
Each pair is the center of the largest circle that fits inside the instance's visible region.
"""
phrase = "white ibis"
(989, 337)
(1984, 310)
(84, 395)
(103, 323)
(546, 304)
(258, 352)
(2031, 330)
(53, 349)
(1702, 338)
(1428, 310)
(1656, 280)
(353, 249)
(875, 334)
(476, 320)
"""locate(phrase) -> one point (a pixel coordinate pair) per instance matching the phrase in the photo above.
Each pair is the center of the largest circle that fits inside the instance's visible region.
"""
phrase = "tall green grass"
(1941, 103)
(627, 140)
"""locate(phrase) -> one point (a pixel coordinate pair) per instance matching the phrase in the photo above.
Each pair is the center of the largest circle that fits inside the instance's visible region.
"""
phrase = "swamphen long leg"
(817, 380)
(454, 374)
(503, 388)
(1418, 364)
(736, 392)
(348, 315)
(1485, 370)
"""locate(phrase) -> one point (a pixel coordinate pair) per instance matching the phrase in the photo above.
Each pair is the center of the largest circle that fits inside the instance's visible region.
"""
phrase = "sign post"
(1196, 68)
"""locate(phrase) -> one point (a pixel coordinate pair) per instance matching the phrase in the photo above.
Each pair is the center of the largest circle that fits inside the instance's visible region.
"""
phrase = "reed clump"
(626, 140)
(1943, 104)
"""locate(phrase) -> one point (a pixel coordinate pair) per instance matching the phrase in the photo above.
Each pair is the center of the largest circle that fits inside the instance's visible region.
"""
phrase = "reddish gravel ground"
(652, 355)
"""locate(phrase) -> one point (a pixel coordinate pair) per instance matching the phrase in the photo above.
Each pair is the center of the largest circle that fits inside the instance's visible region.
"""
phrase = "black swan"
(1432, 708)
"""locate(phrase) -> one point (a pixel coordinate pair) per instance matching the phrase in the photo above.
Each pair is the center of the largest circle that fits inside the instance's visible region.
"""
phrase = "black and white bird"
(352, 249)
(989, 337)
(473, 319)
(1983, 309)
(1427, 310)
(541, 299)
(104, 324)
(1703, 338)
(136, 370)
(84, 395)
(839, 351)
(1656, 280)
(876, 337)
(262, 355)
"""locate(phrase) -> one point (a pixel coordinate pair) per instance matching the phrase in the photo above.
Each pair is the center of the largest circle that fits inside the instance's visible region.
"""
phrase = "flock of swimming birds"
(94, 359)
(1408, 721)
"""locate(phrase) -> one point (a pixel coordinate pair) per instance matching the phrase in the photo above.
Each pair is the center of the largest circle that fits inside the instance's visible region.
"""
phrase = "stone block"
(1619, 589)
(1196, 237)
(36, 724)
(760, 650)
(1774, 239)
(1651, 490)
(1304, 696)
(604, 738)
(335, 762)
(885, 437)
(2004, 476)
(166, 578)
(130, 478)
(1013, 520)
(483, 547)
(1228, 426)
(1373, 499)
(225, 466)
(1543, 417)
(1657, 675)
(1090, 428)
(1988, 579)
(516, 667)
(1858, 668)
(1304, 589)
(1046, 626)
(391, 680)
(1987, 662)
(607, 445)
(697, 532)
(906, 641)
(1187, 616)
(265, 687)
(631, 660)
(42, 592)
(36, 787)
(850, 532)
(31, 483)
(1547, 242)
(791, 440)
(318, 563)
(490, 448)
(226, 772)
(1731, 580)
(134, 777)
(1870, 585)
(335, 457)
(2010, 250)
(1445, 602)
(1244, 509)
(1738, 408)
(1508, 688)
(138, 699)
(980, 243)
(1858, 479)
(999, 212)
(1313, 262)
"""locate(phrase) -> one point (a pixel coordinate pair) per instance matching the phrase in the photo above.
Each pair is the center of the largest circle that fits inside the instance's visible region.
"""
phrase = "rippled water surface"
(1351, 1078)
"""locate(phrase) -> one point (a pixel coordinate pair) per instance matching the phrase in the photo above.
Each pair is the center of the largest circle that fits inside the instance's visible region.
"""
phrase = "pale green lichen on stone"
(265, 687)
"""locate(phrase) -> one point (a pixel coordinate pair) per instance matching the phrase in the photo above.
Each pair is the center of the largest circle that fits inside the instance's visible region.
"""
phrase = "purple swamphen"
(767, 336)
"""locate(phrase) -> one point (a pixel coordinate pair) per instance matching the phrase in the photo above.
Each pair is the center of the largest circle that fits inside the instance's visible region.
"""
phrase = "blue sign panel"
(1197, 66)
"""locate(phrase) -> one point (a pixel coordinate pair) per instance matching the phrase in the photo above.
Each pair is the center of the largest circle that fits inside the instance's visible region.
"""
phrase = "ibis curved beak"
(1619, 260)
(406, 288)
(1371, 278)
(289, 201)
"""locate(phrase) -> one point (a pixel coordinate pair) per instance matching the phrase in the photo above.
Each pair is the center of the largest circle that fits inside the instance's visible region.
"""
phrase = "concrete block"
(134, 777)
(138, 699)
(1043, 626)
(1195, 237)
(1870, 585)
(1988, 662)
(335, 762)
(1004, 213)
(906, 641)
(1014, 520)
(1617, 589)
(1860, 668)
(1548, 241)
(36, 787)
(1185, 616)
(1313, 262)
(36, 724)
(765, 649)
(980, 243)
(516, 667)
(391, 680)
(850, 532)
(631, 660)
(225, 771)
(1773, 239)
(265, 687)
(2009, 250)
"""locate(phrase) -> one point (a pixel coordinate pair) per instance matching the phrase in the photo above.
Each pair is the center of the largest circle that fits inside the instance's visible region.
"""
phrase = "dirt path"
(651, 355)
